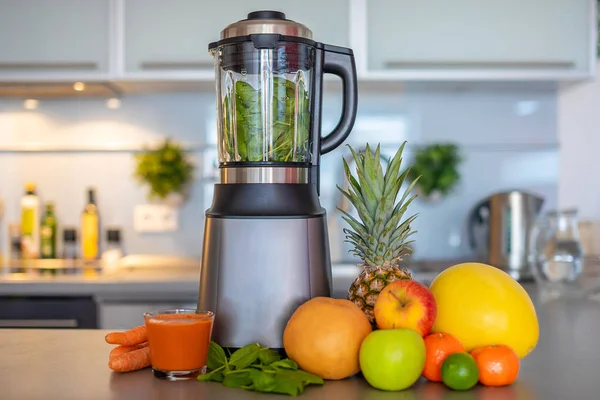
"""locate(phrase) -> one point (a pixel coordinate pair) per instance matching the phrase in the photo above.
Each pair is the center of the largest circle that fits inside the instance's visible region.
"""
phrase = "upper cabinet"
(41, 39)
(170, 38)
(393, 40)
(521, 39)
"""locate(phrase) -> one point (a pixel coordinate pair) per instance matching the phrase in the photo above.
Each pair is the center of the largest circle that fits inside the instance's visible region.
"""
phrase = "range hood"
(54, 90)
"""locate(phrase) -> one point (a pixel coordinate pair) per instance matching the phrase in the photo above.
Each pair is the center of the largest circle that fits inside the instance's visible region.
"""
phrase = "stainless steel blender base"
(272, 266)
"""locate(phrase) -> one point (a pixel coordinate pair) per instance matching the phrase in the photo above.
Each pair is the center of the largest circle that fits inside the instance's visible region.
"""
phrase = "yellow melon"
(481, 305)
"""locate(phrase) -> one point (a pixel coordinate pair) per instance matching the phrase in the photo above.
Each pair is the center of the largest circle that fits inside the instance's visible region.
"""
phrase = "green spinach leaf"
(285, 364)
(237, 380)
(263, 382)
(257, 368)
(306, 377)
(245, 356)
(288, 385)
(245, 137)
(215, 376)
(267, 356)
(216, 356)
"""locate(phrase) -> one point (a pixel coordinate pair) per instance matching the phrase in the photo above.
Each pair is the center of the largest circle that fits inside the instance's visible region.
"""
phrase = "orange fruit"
(498, 365)
(324, 336)
(438, 346)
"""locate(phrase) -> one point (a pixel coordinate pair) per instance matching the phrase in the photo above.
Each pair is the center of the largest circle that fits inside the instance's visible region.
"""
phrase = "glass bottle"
(30, 222)
(48, 233)
(90, 229)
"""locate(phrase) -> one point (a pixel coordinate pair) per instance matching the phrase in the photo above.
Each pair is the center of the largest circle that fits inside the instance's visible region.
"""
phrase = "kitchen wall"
(507, 133)
(579, 128)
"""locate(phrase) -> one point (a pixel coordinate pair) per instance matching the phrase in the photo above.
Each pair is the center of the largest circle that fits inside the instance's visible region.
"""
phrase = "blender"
(265, 235)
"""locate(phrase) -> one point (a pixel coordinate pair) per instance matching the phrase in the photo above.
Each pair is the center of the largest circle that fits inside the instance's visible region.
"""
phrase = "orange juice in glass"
(179, 340)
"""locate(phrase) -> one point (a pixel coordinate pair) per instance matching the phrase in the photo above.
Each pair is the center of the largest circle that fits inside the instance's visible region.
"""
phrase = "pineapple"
(380, 239)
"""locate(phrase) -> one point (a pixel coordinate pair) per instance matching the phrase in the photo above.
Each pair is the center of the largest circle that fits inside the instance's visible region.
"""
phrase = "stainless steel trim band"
(264, 175)
(260, 26)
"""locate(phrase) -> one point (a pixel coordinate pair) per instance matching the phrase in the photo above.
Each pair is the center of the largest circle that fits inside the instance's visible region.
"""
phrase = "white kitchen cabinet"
(125, 41)
(170, 38)
(475, 39)
(45, 40)
(126, 315)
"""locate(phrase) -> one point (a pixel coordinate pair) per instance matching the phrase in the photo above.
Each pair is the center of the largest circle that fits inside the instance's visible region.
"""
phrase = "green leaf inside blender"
(246, 138)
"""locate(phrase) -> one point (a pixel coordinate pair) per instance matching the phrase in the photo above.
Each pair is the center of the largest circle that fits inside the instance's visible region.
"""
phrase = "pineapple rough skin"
(369, 283)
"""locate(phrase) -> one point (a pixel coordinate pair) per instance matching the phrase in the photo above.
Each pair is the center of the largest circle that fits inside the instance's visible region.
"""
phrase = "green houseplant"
(437, 165)
(166, 170)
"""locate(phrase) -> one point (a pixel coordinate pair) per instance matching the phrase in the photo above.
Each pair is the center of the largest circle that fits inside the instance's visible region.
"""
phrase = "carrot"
(117, 351)
(129, 337)
(132, 361)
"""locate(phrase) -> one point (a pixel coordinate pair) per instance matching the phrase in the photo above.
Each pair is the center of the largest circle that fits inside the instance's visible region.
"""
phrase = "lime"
(459, 371)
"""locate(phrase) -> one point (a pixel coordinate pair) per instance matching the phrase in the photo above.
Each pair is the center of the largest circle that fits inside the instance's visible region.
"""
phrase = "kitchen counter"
(159, 284)
(72, 364)
(120, 296)
(129, 285)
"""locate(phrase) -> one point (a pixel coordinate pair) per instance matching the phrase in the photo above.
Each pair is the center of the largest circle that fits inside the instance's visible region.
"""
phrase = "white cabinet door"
(57, 38)
(168, 36)
(556, 36)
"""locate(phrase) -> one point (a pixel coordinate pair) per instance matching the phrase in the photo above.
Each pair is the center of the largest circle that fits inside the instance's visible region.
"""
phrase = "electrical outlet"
(154, 218)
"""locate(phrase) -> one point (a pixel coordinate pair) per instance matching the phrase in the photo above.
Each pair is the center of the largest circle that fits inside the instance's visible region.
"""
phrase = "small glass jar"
(114, 250)
(556, 255)
(70, 249)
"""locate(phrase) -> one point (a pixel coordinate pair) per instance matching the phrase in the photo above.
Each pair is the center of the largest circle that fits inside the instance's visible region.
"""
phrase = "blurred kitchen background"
(87, 85)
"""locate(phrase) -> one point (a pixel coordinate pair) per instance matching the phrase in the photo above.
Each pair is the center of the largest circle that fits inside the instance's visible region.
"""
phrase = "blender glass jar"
(263, 101)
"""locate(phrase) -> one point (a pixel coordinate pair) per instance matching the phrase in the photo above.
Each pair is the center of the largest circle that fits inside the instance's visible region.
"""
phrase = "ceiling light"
(113, 103)
(30, 104)
(79, 86)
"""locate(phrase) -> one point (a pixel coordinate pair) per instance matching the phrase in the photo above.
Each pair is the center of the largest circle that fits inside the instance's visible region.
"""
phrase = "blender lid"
(269, 22)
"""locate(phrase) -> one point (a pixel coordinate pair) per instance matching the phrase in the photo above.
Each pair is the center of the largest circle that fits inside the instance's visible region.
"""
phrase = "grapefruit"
(324, 336)
(481, 306)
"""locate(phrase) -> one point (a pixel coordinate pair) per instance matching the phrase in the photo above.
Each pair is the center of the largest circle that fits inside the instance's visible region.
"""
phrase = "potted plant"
(437, 164)
(166, 170)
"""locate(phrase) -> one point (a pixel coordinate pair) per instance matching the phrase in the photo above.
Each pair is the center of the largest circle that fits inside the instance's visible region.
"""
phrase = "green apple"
(392, 359)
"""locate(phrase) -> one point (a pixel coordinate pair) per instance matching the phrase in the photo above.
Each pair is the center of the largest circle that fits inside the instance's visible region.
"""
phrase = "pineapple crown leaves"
(379, 238)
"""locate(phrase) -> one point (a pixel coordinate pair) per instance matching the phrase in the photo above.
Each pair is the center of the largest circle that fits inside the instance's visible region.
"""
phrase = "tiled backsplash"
(508, 138)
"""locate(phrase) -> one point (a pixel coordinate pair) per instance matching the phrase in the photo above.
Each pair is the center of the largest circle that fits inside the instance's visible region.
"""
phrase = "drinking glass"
(179, 340)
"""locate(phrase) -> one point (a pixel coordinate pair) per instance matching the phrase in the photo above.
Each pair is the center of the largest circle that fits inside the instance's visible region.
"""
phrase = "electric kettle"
(499, 229)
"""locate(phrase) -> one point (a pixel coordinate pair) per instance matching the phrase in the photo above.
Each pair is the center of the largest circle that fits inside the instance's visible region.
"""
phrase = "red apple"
(406, 304)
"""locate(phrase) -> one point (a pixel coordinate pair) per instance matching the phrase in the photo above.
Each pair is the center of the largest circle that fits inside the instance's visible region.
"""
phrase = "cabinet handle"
(38, 323)
(50, 65)
(480, 64)
(165, 65)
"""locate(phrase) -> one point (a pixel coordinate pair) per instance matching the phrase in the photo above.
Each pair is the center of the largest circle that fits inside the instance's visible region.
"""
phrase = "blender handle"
(340, 61)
